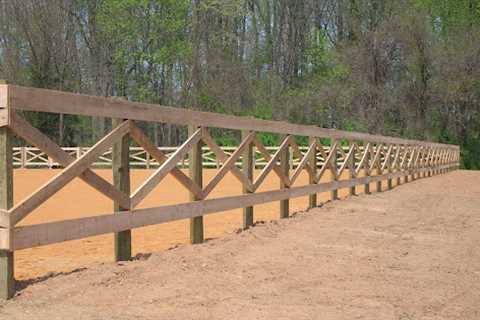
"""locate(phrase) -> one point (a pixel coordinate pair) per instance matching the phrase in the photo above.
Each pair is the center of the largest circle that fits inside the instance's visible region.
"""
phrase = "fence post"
(196, 174)
(367, 149)
(397, 165)
(351, 168)
(121, 180)
(312, 199)
(248, 167)
(285, 166)
(23, 156)
(389, 169)
(7, 279)
(334, 194)
(379, 169)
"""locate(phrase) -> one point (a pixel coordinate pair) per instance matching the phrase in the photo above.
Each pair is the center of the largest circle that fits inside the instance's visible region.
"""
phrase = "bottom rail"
(48, 233)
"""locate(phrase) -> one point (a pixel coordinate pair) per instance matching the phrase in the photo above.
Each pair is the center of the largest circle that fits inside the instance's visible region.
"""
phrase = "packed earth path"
(409, 253)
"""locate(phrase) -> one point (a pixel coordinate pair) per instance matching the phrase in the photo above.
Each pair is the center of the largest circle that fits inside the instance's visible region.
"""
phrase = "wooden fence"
(366, 158)
(33, 157)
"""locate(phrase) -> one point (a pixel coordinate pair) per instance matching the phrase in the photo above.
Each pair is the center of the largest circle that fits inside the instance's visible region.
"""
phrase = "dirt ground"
(410, 253)
(78, 199)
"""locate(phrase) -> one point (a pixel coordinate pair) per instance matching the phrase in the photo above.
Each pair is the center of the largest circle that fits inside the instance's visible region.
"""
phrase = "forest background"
(408, 68)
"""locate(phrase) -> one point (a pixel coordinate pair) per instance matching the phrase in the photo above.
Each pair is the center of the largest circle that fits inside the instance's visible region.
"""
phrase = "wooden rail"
(33, 158)
(366, 158)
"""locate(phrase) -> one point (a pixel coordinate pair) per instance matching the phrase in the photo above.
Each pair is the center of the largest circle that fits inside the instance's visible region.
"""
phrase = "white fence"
(31, 157)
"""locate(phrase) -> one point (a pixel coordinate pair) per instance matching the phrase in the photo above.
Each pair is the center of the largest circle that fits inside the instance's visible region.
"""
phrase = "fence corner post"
(196, 174)
(285, 167)
(7, 277)
(312, 198)
(248, 163)
(121, 180)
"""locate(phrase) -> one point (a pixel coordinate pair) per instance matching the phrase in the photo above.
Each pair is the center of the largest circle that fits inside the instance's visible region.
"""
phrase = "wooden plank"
(312, 159)
(296, 152)
(49, 233)
(227, 166)
(304, 163)
(62, 102)
(272, 164)
(121, 181)
(6, 243)
(4, 117)
(351, 165)
(196, 174)
(327, 164)
(5, 219)
(32, 135)
(223, 157)
(7, 279)
(396, 161)
(150, 184)
(248, 166)
(4, 94)
(365, 164)
(334, 146)
(160, 157)
(285, 168)
(268, 158)
(376, 163)
(22, 209)
(387, 164)
(347, 160)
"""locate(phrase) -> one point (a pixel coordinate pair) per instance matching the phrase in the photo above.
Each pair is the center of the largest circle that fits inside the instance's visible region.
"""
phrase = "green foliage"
(452, 15)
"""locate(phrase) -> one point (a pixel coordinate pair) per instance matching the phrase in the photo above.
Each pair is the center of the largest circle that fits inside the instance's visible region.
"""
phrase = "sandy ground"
(410, 253)
(78, 199)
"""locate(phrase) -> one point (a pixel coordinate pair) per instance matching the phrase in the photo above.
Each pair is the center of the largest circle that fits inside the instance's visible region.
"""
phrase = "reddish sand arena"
(78, 199)
(410, 253)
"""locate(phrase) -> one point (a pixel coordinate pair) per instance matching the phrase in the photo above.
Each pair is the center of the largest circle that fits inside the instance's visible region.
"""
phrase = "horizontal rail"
(55, 232)
(42, 100)
(32, 157)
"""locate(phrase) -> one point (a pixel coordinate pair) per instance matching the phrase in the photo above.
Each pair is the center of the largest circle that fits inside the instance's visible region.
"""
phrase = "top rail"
(42, 100)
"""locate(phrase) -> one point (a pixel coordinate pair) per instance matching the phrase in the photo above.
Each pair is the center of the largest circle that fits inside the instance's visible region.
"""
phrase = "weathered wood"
(387, 163)
(223, 157)
(7, 279)
(121, 180)
(396, 161)
(377, 164)
(150, 184)
(312, 160)
(69, 103)
(271, 163)
(158, 155)
(328, 163)
(32, 135)
(285, 168)
(22, 209)
(351, 166)
(4, 117)
(248, 165)
(365, 165)
(333, 160)
(304, 163)
(196, 175)
(228, 165)
(49, 233)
